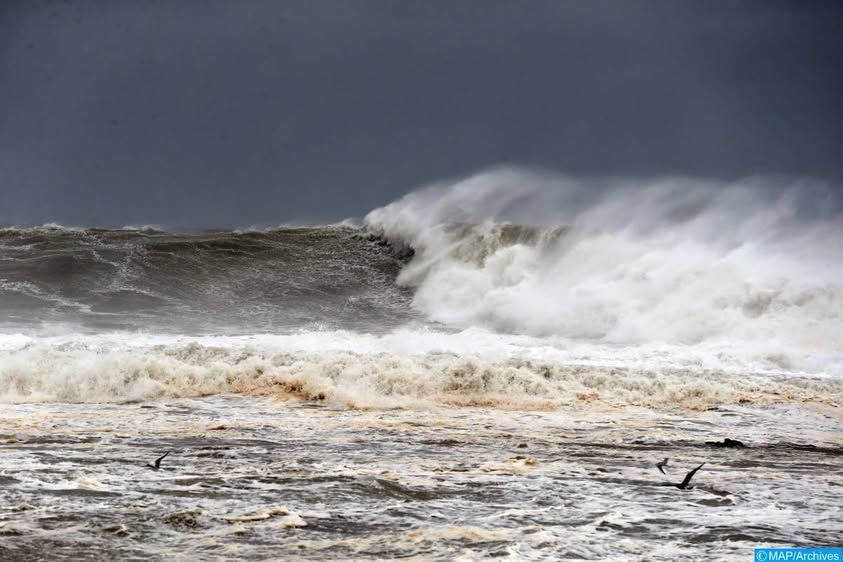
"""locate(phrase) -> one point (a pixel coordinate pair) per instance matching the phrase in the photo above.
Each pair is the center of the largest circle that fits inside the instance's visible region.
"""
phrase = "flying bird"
(661, 465)
(684, 484)
(157, 464)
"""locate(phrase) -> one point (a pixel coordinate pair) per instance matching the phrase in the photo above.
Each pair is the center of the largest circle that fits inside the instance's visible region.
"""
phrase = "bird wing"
(659, 466)
(161, 458)
(689, 476)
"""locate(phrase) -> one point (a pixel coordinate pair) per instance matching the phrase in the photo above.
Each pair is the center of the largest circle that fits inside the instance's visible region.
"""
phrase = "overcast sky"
(232, 113)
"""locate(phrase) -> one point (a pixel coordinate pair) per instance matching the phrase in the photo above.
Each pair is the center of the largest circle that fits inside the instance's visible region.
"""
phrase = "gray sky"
(231, 113)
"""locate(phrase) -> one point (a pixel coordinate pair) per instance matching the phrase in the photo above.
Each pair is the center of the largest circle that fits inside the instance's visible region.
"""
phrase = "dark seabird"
(662, 465)
(684, 484)
(157, 464)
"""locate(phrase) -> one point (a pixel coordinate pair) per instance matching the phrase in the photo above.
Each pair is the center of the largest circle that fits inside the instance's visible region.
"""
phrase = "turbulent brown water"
(257, 479)
(483, 370)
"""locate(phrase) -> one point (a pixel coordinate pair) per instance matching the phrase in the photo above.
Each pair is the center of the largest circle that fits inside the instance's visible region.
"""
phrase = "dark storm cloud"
(233, 113)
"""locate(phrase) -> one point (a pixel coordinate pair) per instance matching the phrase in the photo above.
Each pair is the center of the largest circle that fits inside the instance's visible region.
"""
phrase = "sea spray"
(671, 260)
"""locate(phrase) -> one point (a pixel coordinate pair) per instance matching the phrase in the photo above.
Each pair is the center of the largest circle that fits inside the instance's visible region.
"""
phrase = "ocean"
(483, 369)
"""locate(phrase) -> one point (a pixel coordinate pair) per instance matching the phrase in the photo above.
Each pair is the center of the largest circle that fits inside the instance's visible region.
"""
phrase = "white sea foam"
(404, 368)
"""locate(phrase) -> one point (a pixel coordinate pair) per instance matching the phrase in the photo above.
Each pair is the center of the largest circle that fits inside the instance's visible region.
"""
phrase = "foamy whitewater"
(487, 368)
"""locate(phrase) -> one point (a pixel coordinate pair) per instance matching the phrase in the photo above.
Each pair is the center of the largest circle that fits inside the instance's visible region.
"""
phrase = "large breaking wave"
(508, 287)
(674, 260)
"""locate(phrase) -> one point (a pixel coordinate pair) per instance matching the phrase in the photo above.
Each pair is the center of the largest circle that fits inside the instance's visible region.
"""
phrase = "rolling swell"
(232, 281)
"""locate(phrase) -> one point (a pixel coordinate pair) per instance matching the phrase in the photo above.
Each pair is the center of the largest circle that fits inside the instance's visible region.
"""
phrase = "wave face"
(680, 261)
(231, 282)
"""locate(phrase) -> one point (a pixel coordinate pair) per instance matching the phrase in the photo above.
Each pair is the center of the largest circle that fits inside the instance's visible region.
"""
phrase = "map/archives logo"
(798, 555)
